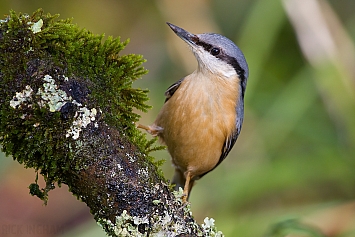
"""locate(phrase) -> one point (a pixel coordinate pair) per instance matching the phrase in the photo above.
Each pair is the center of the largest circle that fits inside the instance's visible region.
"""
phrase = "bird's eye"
(215, 51)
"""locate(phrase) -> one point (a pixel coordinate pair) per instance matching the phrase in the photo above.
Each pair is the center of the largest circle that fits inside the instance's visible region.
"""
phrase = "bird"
(203, 112)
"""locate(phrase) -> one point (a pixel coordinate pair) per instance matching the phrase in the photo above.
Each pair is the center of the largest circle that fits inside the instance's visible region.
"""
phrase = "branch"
(66, 111)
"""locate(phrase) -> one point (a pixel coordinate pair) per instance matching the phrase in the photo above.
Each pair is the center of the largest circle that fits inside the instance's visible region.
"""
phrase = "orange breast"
(197, 120)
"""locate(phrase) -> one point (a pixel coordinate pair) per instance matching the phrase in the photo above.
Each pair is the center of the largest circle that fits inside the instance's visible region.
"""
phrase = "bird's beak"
(189, 38)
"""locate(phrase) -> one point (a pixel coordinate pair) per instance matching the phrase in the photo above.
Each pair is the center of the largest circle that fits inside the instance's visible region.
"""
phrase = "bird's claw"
(153, 129)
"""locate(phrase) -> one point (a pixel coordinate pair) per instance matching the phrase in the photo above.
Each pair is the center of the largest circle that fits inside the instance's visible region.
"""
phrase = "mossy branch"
(67, 111)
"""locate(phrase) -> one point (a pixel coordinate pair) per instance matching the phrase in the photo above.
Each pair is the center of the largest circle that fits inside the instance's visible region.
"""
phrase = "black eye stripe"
(228, 59)
(206, 46)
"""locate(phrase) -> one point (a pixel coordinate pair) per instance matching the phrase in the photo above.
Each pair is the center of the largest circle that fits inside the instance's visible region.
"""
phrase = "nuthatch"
(203, 112)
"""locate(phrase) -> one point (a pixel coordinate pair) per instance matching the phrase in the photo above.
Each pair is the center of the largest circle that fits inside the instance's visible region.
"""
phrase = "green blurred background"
(295, 155)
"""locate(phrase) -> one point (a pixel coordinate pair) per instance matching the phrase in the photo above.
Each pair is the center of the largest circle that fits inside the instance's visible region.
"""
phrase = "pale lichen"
(143, 172)
(161, 224)
(36, 27)
(51, 95)
(22, 97)
(179, 194)
(131, 158)
(126, 225)
(55, 98)
(83, 118)
(210, 229)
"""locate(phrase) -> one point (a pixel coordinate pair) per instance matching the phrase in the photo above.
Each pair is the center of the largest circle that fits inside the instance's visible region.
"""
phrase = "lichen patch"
(36, 27)
(25, 96)
(83, 118)
(51, 95)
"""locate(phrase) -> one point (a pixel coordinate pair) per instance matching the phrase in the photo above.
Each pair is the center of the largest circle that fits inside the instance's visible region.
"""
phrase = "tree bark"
(66, 111)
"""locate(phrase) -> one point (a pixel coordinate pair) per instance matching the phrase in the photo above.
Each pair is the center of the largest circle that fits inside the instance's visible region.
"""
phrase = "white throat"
(208, 62)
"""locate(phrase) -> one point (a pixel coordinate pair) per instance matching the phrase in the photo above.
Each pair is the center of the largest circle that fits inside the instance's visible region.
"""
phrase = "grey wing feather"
(228, 145)
(230, 141)
(171, 90)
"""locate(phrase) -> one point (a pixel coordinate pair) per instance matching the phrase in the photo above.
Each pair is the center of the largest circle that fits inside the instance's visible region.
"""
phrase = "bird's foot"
(154, 130)
(184, 198)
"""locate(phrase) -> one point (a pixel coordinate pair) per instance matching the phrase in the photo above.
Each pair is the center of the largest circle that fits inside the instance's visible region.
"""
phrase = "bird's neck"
(217, 89)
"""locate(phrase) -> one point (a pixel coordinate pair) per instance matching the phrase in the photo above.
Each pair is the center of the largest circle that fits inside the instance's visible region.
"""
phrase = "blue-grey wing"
(230, 141)
(228, 145)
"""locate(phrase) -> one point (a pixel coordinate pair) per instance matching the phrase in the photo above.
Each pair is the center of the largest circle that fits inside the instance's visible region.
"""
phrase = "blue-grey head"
(216, 53)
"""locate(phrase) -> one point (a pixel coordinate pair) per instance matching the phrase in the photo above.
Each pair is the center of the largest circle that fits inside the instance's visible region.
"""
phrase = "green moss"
(40, 58)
